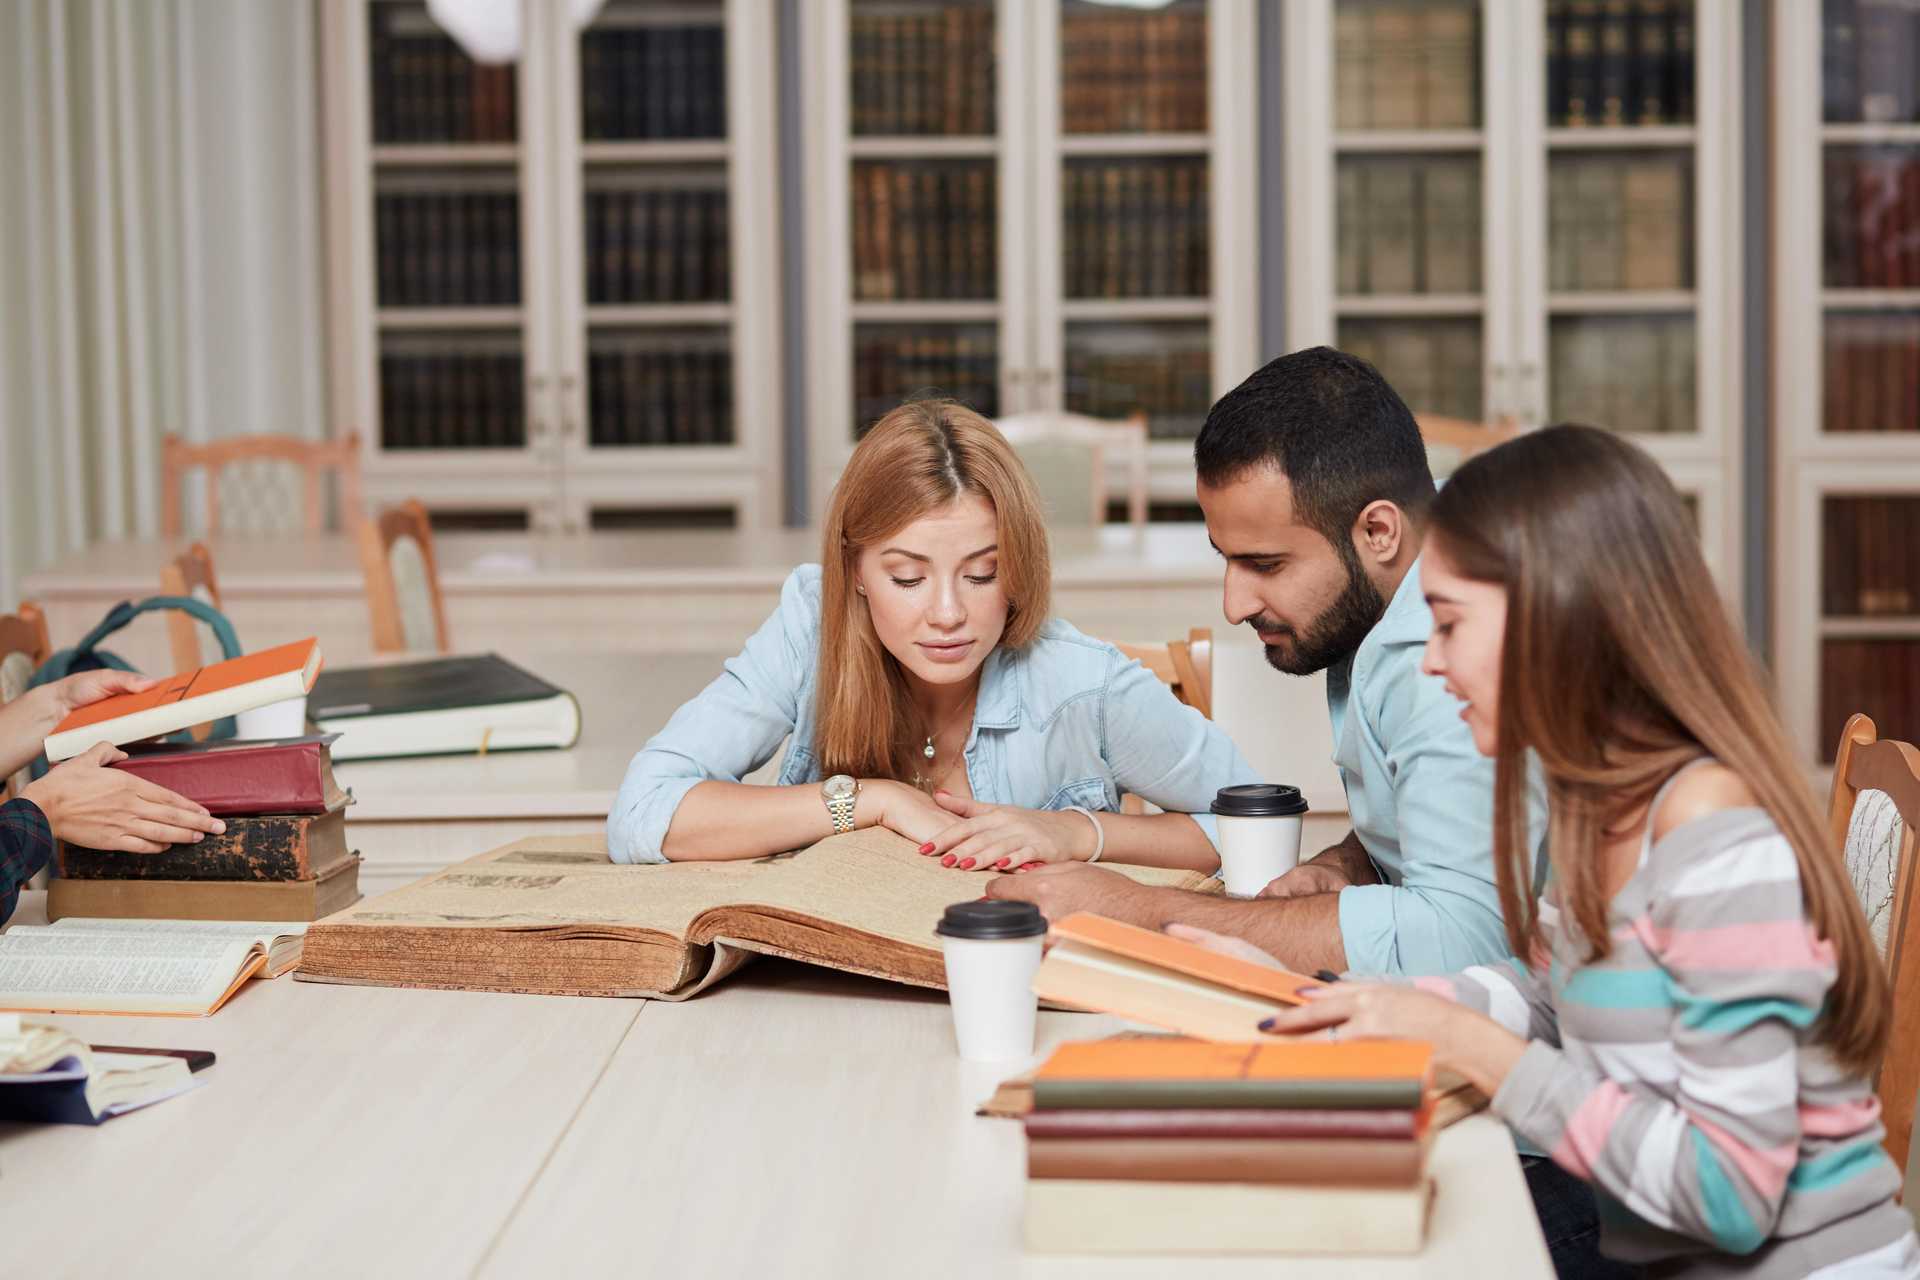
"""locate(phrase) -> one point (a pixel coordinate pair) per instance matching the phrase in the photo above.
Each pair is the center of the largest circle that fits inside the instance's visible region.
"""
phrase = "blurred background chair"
(1451, 441)
(24, 645)
(254, 484)
(1186, 667)
(403, 581)
(191, 574)
(1067, 455)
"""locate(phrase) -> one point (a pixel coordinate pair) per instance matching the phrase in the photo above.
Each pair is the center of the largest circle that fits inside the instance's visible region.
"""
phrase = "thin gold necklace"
(930, 752)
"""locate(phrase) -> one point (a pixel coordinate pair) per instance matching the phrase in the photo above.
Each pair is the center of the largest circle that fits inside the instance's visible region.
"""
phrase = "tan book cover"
(205, 899)
(1393, 41)
(1655, 228)
(553, 915)
(1352, 235)
(1392, 203)
(1071, 1215)
(1450, 226)
(1352, 64)
(1449, 71)
(1596, 189)
(1563, 227)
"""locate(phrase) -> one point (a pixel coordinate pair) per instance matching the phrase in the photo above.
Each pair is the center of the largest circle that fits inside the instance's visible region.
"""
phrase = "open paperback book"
(182, 967)
(47, 1074)
(553, 915)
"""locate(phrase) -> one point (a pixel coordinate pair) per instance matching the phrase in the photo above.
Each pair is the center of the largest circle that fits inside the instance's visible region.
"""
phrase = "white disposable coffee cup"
(1259, 834)
(284, 719)
(992, 949)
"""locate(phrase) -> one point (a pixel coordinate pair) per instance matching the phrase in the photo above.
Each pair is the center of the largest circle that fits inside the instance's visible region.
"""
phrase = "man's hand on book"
(88, 804)
(1061, 889)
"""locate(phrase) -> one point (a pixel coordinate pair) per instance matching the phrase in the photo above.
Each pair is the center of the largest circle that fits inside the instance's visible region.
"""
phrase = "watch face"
(837, 786)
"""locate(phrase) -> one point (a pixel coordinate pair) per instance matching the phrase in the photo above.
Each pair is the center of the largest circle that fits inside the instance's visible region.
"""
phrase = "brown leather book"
(240, 778)
(1240, 1123)
(1326, 1162)
(280, 847)
(206, 899)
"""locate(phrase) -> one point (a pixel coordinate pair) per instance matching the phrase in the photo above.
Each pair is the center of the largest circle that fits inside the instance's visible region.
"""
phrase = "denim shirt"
(1421, 797)
(1068, 720)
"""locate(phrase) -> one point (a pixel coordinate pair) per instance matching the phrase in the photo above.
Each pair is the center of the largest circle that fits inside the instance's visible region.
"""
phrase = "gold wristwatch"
(840, 791)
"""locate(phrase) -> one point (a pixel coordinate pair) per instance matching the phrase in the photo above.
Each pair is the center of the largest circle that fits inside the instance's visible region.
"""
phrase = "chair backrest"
(1067, 454)
(1874, 817)
(190, 574)
(403, 581)
(1451, 441)
(24, 645)
(1185, 666)
(314, 459)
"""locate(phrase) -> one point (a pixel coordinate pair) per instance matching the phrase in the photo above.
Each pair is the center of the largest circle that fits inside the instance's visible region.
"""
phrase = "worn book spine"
(1225, 1123)
(1330, 1162)
(205, 899)
(293, 847)
(1123, 1094)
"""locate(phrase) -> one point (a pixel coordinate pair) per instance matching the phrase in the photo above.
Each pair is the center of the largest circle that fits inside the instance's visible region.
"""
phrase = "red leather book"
(1258, 1122)
(1326, 1162)
(241, 778)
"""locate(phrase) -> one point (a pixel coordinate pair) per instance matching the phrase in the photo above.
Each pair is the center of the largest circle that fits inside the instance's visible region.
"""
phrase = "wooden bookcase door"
(1846, 377)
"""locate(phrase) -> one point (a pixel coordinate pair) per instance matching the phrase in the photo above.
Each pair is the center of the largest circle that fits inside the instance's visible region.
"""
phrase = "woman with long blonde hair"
(922, 686)
(1696, 1026)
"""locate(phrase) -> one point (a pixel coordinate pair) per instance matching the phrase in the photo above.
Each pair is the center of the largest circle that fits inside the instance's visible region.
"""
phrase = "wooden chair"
(1874, 815)
(24, 645)
(403, 581)
(1451, 441)
(314, 458)
(1059, 448)
(1186, 666)
(189, 574)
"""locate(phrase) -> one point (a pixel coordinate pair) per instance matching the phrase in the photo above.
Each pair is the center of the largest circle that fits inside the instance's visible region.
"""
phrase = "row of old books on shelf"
(653, 81)
(1136, 229)
(1406, 66)
(452, 400)
(1870, 61)
(447, 248)
(655, 396)
(657, 245)
(1872, 376)
(927, 71)
(1879, 677)
(1131, 73)
(426, 89)
(1871, 219)
(1618, 224)
(891, 364)
(1628, 373)
(1434, 365)
(1171, 384)
(1408, 226)
(1870, 556)
(925, 231)
(1619, 62)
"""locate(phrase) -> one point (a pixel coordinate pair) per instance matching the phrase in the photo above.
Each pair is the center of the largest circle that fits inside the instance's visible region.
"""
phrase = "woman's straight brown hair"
(1620, 665)
(917, 459)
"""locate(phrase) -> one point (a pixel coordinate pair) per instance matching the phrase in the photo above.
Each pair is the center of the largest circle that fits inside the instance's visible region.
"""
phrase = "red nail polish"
(966, 864)
(947, 861)
(1003, 862)
(927, 847)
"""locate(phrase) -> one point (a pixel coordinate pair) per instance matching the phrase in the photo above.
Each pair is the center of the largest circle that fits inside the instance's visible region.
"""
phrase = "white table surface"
(790, 1122)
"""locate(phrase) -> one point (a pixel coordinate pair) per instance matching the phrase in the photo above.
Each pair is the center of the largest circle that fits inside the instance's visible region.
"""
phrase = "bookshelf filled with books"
(1847, 370)
(1017, 205)
(551, 276)
(1529, 217)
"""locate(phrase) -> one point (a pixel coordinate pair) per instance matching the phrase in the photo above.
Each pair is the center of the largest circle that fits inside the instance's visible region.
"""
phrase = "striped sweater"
(1679, 1075)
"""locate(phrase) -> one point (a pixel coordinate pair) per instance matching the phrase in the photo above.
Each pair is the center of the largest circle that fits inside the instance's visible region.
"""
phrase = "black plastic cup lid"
(992, 918)
(1259, 800)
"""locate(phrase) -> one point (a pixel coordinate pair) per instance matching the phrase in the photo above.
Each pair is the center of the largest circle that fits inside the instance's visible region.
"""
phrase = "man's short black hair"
(1334, 428)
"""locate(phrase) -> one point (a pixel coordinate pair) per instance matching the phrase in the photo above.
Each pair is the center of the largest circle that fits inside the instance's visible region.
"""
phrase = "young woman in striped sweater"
(1696, 1029)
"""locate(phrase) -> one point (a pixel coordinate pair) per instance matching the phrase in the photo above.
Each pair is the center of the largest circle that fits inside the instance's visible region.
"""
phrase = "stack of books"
(1188, 1146)
(283, 856)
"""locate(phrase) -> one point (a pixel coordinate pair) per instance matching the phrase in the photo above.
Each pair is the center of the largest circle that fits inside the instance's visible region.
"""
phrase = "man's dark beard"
(1336, 633)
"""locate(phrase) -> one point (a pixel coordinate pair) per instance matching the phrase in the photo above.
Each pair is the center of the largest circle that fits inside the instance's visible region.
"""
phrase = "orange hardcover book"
(190, 698)
(1116, 968)
(1194, 1073)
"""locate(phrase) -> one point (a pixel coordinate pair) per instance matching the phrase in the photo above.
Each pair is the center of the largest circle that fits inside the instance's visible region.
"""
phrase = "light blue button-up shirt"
(1421, 798)
(1068, 720)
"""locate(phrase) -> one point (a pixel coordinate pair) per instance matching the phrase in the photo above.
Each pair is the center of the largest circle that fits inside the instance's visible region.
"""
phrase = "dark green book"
(441, 706)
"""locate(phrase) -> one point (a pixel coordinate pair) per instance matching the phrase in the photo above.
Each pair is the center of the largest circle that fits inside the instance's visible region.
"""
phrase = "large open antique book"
(553, 915)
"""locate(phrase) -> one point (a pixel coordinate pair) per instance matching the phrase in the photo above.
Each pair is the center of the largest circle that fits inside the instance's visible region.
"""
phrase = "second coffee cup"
(1259, 834)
